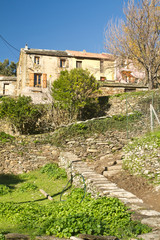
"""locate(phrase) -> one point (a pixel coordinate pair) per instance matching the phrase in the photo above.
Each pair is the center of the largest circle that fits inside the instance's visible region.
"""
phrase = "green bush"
(52, 170)
(21, 112)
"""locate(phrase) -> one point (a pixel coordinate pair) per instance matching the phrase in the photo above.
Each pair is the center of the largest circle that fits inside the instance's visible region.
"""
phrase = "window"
(62, 63)
(37, 80)
(36, 60)
(78, 64)
(102, 78)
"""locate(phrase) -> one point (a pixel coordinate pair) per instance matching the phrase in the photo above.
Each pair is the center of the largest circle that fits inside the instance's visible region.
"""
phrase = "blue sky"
(55, 24)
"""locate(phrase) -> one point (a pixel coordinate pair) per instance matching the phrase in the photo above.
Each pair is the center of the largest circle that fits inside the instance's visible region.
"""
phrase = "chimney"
(26, 47)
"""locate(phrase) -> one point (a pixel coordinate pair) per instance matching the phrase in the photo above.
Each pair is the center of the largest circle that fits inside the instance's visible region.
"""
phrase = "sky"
(55, 24)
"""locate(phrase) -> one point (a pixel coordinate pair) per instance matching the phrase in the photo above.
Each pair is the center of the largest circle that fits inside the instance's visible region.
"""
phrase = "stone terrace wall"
(24, 157)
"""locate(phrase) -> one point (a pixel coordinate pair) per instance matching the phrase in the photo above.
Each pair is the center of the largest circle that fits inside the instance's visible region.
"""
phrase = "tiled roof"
(47, 52)
(8, 78)
(69, 53)
(85, 54)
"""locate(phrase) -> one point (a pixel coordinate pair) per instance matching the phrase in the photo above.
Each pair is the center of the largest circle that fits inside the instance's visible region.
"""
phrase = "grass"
(24, 189)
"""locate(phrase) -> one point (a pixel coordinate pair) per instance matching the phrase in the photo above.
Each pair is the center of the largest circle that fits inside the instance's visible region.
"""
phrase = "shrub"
(21, 112)
(52, 170)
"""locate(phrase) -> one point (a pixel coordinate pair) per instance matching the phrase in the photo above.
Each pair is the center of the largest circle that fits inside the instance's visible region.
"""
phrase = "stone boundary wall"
(18, 159)
(67, 161)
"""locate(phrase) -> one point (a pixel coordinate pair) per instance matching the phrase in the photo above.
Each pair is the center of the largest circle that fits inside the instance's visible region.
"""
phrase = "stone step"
(155, 235)
(114, 167)
(119, 162)
(110, 173)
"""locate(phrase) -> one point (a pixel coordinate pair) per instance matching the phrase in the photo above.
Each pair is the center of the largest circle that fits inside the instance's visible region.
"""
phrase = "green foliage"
(90, 127)
(7, 69)
(21, 112)
(4, 189)
(103, 216)
(2, 237)
(27, 187)
(73, 90)
(4, 137)
(141, 154)
(54, 171)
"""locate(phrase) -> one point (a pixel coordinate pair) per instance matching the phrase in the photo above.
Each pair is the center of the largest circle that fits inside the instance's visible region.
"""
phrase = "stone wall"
(25, 157)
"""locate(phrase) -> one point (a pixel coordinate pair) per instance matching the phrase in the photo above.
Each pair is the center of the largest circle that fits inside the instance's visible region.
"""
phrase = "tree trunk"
(150, 80)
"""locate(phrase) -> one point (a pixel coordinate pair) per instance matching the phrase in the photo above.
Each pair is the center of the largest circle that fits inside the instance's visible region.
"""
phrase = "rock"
(55, 154)
(93, 237)
(16, 236)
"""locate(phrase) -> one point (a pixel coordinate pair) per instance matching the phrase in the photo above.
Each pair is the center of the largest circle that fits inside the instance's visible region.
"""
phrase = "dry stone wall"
(23, 157)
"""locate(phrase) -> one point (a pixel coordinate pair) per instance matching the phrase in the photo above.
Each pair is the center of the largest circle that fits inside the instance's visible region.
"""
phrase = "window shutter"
(31, 80)
(44, 80)
(67, 63)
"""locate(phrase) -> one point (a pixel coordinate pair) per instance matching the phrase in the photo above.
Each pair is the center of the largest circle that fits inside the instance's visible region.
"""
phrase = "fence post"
(127, 115)
(152, 121)
(151, 116)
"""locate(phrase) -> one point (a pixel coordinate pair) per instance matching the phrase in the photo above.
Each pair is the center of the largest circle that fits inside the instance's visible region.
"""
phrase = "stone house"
(8, 86)
(38, 68)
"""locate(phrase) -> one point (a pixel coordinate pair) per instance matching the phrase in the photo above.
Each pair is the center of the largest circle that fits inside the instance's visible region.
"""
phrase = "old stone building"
(38, 68)
(8, 86)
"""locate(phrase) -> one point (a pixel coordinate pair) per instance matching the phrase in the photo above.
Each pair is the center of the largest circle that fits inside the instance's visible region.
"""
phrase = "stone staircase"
(99, 183)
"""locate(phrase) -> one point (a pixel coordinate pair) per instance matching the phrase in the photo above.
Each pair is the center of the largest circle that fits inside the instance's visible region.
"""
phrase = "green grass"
(23, 189)
(26, 188)
(23, 209)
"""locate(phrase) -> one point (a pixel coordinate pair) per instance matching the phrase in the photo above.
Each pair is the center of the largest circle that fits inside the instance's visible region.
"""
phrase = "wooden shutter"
(31, 80)
(44, 80)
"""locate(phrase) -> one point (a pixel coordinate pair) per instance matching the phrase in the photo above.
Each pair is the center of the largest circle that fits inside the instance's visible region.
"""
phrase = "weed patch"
(52, 170)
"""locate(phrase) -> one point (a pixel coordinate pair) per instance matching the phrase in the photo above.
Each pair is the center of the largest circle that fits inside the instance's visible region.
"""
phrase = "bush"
(73, 90)
(52, 170)
(21, 112)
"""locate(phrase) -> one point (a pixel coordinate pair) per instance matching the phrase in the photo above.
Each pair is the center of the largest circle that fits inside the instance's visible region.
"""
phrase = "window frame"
(37, 80)
(62, 63)
(78, 64)
(36, 60)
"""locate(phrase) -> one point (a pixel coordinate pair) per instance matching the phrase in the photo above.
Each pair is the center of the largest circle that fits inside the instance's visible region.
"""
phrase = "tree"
(137, 37)
(73, 90)
(7, 69)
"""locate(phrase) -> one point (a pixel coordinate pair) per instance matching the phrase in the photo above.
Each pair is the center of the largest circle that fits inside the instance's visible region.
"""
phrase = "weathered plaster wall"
(8, 86)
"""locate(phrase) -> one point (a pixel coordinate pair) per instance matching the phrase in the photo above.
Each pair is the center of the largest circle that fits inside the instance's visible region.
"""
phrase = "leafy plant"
(102, 216)
(73, 90)
(53, 171)
(2, 237)
(21, 113)
(4, 189)
(27, 187)
(4, 137)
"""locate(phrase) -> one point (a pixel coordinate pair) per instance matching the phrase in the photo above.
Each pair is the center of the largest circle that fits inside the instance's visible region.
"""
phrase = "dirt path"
(138, 186)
